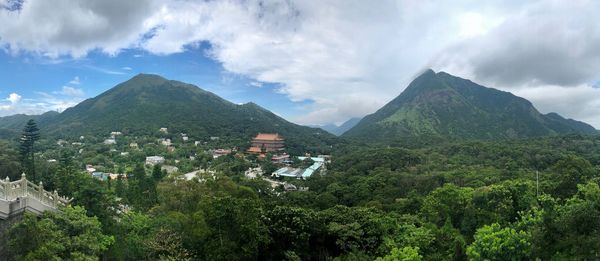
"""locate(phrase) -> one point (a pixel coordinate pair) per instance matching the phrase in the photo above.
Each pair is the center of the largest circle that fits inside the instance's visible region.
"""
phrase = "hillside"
(10, 126)
(439, 105)
(145, 103)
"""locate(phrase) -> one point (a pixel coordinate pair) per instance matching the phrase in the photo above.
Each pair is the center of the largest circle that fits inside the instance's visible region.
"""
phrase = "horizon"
(297, 59)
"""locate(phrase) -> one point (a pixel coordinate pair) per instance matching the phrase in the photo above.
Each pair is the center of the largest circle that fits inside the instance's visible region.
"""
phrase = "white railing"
(13, 190)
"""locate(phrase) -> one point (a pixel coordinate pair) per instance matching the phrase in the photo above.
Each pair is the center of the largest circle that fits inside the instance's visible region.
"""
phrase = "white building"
(165, 142)
(154, 160)
(110, 141)
(164, 130)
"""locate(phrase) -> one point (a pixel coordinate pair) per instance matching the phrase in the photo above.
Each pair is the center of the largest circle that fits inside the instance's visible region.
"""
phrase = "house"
(266, 142)
(125, 153)
(214, 138)
(282, 158)
(116, 133)
(100, 175)
(165, 142)
(164, 130)
(185, 138)
(169, 169)
(154, 160)
(196, 143)
(220, 152)
(133, 145)
(90, 169)
(110, 141)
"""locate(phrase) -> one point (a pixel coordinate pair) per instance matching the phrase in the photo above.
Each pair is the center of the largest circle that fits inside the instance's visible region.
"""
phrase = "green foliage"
(439, 106)
(29, 136)
(403, 254)
(10, 165)
(67, 234)
(492, 242)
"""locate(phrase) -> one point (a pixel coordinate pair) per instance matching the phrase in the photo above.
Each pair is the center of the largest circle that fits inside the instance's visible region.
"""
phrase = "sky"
(311, 62)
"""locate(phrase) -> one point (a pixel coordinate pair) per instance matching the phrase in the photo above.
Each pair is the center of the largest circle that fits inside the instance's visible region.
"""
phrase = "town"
(179, 156)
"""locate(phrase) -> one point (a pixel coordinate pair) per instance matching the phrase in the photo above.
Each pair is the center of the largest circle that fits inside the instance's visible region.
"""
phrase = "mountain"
(338, 130)
(10, 126)
(349, 124)
(439, 105)
(146, 103)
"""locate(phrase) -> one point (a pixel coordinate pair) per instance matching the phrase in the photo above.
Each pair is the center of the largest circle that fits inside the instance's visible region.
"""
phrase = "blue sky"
(70, 80)
(317, 62)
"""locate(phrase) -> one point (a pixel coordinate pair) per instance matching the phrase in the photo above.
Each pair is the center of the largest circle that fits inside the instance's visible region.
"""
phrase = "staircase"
(22, 195)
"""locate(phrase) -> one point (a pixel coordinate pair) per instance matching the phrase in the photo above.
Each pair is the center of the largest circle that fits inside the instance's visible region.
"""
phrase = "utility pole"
(537, 183)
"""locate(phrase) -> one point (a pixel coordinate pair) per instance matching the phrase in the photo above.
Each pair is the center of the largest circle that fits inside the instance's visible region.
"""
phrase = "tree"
(9, 162)
(31, 134)
(67, 234)
(571, 171)
(492, 242)
(402, 254)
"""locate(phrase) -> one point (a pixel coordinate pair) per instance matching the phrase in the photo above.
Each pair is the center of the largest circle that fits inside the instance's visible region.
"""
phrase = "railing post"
(41, 191)
(23, 185)
(55, 198)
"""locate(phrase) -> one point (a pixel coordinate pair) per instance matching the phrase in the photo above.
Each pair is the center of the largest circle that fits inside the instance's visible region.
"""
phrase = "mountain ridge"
(440, 105)
(146, 102)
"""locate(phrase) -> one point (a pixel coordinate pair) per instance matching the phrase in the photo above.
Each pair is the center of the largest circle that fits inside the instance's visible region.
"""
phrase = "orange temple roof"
(255, 149)
(268, 136)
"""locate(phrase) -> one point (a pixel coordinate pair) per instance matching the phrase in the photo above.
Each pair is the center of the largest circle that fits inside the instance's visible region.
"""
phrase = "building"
(164, 130)
(169, 169)
(318, 163)
(266, 142)
(165, 142)
(220, 152)
(154, 160)
(282, 158)
(110, 141)
(116, 133)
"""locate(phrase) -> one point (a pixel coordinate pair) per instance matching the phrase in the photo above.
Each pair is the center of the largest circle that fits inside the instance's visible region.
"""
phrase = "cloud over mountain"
(347, 57)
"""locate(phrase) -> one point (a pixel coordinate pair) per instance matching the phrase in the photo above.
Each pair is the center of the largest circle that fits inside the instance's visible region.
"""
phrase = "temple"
(266, 142)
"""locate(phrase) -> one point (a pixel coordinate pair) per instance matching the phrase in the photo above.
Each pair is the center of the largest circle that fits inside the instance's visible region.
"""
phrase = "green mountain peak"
(440, 105)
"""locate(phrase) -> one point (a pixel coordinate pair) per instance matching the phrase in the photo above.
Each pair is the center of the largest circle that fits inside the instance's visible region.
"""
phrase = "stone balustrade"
(20, 195)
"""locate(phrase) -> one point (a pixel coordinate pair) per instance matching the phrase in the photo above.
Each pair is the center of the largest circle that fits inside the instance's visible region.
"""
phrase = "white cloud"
(349, 57)
(256, 84)
(75, 81)
(42, 102)
(64, 27)
(580, 102)
(14, 98)
(70, 91)
(127, 68)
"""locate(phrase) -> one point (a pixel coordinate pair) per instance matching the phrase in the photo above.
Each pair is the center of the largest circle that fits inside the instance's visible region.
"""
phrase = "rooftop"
(268, 136)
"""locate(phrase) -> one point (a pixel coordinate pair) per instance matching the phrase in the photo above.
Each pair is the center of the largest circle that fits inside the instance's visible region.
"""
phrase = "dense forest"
(494, 200)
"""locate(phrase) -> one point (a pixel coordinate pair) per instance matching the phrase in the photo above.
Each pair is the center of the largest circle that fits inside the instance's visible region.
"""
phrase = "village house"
(220, 152)
(154, 160)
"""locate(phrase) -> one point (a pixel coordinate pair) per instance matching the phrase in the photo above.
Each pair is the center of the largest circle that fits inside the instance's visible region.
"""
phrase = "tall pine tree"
(31, 134)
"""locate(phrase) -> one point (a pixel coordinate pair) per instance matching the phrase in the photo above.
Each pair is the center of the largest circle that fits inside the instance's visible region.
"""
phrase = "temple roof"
(268, 136)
